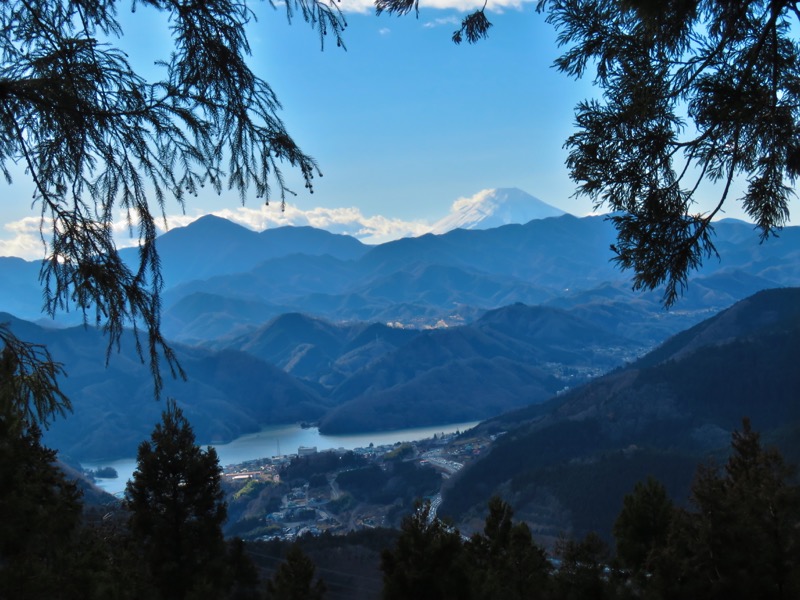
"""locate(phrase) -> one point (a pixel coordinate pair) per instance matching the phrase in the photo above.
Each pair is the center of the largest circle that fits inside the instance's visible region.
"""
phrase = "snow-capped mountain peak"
(493, 208)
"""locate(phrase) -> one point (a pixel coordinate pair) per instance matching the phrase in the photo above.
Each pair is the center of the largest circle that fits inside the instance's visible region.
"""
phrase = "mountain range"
(298, 324)
(222, 279)
(452, 278)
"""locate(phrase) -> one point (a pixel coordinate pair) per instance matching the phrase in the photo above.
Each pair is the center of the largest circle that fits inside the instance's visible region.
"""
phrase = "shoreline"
(284, 440)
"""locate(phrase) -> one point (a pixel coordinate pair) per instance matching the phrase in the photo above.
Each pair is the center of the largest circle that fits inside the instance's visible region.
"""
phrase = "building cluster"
(308, 509)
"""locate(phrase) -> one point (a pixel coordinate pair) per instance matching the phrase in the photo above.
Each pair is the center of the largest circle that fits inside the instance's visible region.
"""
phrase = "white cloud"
(449, 21)
(25, 240)
(369, 229)
(23, 237)
(463, 203)
(384, 31)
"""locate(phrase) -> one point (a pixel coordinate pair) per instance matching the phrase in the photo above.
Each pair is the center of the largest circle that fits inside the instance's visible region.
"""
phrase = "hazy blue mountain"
(557, 252)
(566, 464)
(208, 247)
(306, 313)
(317, 350)
(20, 292)
(455, 276)
(445, 285)
(458, 390)
(222, 278)
(640, 315)
(762, 314)
(296, 368)
(199, 317)
(276, 280)
(213, 246)
(296, 343)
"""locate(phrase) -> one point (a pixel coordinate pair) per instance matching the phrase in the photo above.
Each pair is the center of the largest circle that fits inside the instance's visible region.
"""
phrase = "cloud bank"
(23, 238)
(24, 241)
(350, 221)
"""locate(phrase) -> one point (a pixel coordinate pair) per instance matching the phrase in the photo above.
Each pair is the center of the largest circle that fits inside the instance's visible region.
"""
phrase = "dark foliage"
(738, 539)
(105, 561)
(177, 509)
(425, 562)
(660, 416)
(294, 579)
(692, 92)
(306, 467)
(29, 381)
(404, 481)
(742, 538)
(504, 561)
(40, 514)
(581, 572)
(642, 527)
(551, 445)
(475, 27)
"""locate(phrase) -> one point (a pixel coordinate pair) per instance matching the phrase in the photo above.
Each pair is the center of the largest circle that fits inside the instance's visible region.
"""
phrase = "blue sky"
(402, 124)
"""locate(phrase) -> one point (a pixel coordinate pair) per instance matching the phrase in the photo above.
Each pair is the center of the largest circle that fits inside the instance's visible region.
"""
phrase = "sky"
(403, 123)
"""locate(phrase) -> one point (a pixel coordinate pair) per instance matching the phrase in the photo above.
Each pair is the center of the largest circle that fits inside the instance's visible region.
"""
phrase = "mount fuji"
(493, 208)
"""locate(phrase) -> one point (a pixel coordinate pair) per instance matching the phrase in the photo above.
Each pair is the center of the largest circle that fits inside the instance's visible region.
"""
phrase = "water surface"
(276, 440)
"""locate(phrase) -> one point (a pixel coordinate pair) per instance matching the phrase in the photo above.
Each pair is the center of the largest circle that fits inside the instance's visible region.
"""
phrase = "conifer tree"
(697, 100)
(426, 562)
(102, 142)
(692, 92)
(581, 574)
(642, 528)
(294, 579)
(29, 382)
(504, 562)
(743, 538)
(39, 508)
(177, 508)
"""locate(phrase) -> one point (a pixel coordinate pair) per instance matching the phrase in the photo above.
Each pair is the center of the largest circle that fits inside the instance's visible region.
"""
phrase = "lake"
(276, 440)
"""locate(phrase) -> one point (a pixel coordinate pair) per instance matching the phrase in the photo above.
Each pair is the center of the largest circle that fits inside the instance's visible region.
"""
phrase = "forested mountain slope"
(571, 461)
(512, 356)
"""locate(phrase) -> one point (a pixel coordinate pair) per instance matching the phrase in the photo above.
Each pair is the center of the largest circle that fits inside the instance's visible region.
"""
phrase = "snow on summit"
(493, 208)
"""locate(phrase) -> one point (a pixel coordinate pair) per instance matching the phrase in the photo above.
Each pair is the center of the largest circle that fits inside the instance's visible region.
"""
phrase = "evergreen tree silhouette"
(177, 509)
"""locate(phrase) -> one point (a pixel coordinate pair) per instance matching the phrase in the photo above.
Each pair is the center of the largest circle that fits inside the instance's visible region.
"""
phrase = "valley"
(526, 329)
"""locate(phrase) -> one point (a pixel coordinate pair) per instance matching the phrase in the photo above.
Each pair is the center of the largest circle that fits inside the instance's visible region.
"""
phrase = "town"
(339, 491)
